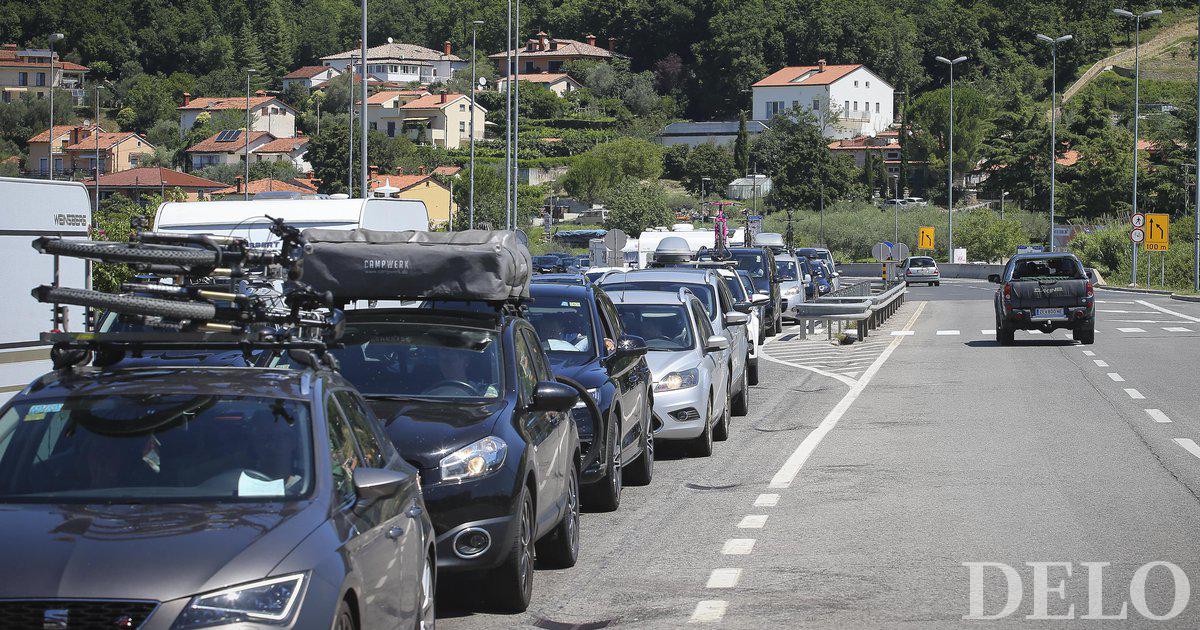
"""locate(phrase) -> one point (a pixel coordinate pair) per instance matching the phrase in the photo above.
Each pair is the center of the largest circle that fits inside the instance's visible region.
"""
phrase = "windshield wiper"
(403, 398)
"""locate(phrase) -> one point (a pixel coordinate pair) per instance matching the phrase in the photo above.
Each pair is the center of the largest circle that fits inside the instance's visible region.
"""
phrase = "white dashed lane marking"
(709, 611)
(1189, 446)
(1157, 415)
(1088, 353)
(723, 578)
(1176, 329)
(987, 332)
(903, 333)
(738, 547)
(1131, 330)
(947, 333)
(1134, 394)
(1100, 363)
(753, 521)
(1116, 377)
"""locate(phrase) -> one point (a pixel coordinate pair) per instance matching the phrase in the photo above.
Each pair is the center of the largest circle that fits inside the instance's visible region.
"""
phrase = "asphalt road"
(868, 477)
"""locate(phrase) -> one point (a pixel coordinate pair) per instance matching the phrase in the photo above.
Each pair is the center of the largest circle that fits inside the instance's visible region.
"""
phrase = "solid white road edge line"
(723, 578)
(791, 467)
(1157, 415)
(709, 611)
(1189, 446)
(1169, 311)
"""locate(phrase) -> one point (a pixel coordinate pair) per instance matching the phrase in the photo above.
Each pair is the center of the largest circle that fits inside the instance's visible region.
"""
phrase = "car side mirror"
(760, 299)
(373, 484)
(549, 396)
(994, 278)
(716, 343)
(744, 307)
(629, 346)
(734, 318)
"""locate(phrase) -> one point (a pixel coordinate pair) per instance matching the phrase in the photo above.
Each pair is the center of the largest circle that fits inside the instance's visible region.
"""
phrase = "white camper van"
(648, 241)
(30, 208)
(247, 219)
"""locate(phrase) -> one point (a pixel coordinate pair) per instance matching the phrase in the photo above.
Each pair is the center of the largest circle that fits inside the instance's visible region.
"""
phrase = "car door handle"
(395, 532)
(414, 512)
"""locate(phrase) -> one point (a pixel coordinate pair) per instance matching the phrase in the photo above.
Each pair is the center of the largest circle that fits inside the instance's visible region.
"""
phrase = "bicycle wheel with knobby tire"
(127, 253)
(133, 305)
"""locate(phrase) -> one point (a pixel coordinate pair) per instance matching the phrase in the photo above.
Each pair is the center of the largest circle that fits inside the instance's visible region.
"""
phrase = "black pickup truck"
(1044, 292)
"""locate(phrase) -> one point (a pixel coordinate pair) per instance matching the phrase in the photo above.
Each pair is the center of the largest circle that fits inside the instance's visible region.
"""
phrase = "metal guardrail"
(868, 304)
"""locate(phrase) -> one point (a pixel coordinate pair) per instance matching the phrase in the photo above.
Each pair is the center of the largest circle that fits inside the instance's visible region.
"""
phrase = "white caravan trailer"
(30, 208)
(648, 241)
(247, 219)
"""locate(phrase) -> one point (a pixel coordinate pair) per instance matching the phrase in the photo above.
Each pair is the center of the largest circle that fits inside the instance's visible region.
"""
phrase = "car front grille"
(73, 614)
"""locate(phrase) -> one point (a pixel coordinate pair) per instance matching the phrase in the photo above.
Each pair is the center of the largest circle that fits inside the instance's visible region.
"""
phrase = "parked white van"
(248, 219)
(30, 208)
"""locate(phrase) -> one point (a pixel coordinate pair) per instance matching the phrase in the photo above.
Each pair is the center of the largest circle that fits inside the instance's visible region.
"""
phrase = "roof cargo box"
(475, 265)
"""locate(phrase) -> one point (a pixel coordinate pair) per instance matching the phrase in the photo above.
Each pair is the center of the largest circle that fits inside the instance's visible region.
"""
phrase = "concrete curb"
(1136, 290)
(1185, 298)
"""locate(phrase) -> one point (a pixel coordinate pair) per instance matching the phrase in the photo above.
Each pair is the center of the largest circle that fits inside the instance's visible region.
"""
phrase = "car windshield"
(703, 291)
(160, 447)
(1060, 268)
(786, 269)
(409, 359)
(564, 324)
(663, 326)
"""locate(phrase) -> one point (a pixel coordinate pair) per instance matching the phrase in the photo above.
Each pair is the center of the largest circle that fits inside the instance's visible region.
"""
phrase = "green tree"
(1016, 154)
(277, 36)
(1098, 184)
(931, 121)
(634, 206)
(741, 147)
(250, 56)
(675, 161)
(988, 237)
(795, 154)
(708, 161)
(594, 173)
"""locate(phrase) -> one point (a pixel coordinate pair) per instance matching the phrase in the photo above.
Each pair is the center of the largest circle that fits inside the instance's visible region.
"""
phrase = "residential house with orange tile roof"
(309, 76)
(138, 182)
(267, 113)
(225, 147)
(438, 198)
(886, 145)
(545, 54)
(439, 119)
(75, 151)
(560, 83)
(863, 102)
(26, 72)
(294, 150)
(266, 185)
(402, 63)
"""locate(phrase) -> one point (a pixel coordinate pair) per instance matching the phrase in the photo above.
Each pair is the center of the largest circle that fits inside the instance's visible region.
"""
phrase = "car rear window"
(1059, 268)
(921, 262)
(703, 291)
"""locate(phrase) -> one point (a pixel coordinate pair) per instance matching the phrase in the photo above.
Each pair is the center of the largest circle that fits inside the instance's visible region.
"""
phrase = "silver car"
(687, 362)
(724, 318)
(917, 269)
(791, 283)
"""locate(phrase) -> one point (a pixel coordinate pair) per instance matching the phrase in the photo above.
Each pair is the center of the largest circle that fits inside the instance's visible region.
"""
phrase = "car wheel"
(741, 402)
(779, 323)
(511, 585)
(702, 446)
(1085, 336)
(428, 598)
(642, 470)
(752, 371)
(1004, 335)
(560, 550)
(345, 618)
(721, 429)
(605, 495)
(937, 284)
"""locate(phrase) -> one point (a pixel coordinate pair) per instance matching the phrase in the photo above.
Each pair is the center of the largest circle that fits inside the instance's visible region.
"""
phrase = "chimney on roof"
(421, 169)
(612, 44)
(820, 65)
(591, 39)
(543, 41)
(187, 98)
(260, 92)
(446, 47)
(238, 183)
(442, 94)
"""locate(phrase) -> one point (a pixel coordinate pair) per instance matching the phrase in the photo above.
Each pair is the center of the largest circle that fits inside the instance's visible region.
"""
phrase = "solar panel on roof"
(229, 135)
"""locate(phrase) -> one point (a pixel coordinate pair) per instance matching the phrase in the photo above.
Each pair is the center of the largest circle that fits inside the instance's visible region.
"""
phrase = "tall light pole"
(1196, 239)
(950, 159)
(515, 84)
(1054, 42)
(54, 37)
(475, 24)
(508, 92)
(1137, 40)
(362, 150)
(350, 128)
(896, 209)
(246, 181)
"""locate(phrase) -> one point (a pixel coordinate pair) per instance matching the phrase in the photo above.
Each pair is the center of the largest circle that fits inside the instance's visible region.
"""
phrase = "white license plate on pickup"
(1048, 313)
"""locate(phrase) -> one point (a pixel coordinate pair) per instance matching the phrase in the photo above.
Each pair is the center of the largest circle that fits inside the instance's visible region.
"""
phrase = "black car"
(166, 496)
(759, 262)
(548, 264)
(585, 341)
(1044, 292)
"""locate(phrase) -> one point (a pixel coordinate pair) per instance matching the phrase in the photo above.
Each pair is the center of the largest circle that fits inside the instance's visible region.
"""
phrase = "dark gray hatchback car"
(190, 497)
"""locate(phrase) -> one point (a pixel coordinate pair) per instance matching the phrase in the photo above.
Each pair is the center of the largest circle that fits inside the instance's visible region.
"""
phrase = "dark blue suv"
(582, 336)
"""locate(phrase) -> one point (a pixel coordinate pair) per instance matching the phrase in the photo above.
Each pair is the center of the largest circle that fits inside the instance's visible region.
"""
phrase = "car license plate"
(1048, 313)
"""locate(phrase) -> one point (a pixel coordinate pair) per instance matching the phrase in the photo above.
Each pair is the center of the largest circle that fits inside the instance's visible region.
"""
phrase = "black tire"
(510, 586)
(937, 284)
(427, 600)
(641, 471)
(1085, 336)
(720, 430)
(741, 401)
(560, 549)
(605, 494)
(132, 305)
(1004, 335)
(344, 620)
(126, 253)
(752, 371)
(702, 446)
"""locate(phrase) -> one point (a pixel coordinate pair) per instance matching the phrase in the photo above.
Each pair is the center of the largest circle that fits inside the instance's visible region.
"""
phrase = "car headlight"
(678, 380)
(791, 291)
(272, 600)
(474, 460)
(594, 393)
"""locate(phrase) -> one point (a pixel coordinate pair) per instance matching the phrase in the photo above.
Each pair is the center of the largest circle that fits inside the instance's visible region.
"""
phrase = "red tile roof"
(154, 177)
(789, 76)
(9, 59)
(566, 48)
(230, 102)
(449, 171)
(108, 139)
(305, 72)
(380, 98)
(541, 77)
(402, 182)
(210, 144)
(265, 185)
(432, 101)
(282, 145)
(59, 131)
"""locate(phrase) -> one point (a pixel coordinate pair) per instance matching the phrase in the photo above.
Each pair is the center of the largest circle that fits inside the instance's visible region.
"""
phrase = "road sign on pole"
(1137, 235)
(1138, 220)
(1158, 232)
(925, 238)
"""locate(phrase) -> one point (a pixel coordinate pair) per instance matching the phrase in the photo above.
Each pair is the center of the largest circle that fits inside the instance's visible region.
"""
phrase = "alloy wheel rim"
(526, 560)
(616, 461)
(573, 514)
(427, 598)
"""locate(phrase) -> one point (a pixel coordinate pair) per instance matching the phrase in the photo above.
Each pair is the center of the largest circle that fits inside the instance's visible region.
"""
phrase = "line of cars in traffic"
(466, 413)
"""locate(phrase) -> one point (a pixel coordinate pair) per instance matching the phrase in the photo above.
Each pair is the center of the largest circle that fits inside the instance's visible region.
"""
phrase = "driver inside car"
(560, 336)
(464, 368)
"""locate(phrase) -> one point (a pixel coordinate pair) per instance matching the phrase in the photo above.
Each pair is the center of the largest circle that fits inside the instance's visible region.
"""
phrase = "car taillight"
(1090, 291)
(1007, 292)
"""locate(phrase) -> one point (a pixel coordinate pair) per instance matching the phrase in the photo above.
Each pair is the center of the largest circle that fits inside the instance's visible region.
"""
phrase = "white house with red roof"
(439, 119)
(309, 76)
(267, 113)
(862, 102)
(560, 83)
(229, 147)
(26, 72)
(401, 63)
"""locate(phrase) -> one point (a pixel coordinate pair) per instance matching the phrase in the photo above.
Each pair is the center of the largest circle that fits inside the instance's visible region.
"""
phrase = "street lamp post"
(246, 181)
(896, 208)
(1054, 42)
(363, 173)
(54, 37)
(475, 24)
(1196, 239)
(515, 85)
(350, 128)
(508, 92)
(950, 159)
(1137, 37)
